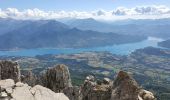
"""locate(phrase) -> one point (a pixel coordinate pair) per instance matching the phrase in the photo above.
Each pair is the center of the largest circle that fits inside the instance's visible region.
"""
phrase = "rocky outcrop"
(57, 78)
(91, 90)
(21, 91)
(9, 70)
(124, 87)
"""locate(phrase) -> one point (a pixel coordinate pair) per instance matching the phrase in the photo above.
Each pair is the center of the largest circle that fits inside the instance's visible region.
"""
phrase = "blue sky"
(79, 5)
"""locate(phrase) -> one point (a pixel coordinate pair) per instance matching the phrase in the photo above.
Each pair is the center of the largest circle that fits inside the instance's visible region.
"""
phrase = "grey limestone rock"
(21, 91)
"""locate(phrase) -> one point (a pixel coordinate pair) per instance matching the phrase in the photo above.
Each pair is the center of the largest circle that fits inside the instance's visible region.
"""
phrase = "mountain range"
(78, 33)
(27, 34)
(147, 27)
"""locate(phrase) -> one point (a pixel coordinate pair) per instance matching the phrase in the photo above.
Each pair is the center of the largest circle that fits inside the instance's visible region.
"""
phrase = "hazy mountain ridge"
(147, 27)
(54, 34)
(165, 43)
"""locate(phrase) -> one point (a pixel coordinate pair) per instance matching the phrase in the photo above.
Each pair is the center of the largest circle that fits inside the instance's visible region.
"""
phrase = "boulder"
(6, 84)
(106, 81)
(19, 84)
(90, 78)
(21, 91)
(6, 88)
(146, 95)
(42, 93)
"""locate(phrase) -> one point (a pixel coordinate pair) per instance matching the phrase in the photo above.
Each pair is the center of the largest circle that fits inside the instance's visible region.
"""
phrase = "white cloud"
(143, 10)
(2, 14)
(146, 12)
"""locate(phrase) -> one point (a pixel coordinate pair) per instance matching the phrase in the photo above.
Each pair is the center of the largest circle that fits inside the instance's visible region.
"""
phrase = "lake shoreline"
(122, 49)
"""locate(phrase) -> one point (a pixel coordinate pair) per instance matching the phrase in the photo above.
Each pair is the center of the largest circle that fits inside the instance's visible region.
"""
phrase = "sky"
(98, 9)
(78, 5)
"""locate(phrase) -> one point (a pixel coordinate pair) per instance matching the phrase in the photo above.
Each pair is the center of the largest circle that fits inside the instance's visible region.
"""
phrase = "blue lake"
(123, 49)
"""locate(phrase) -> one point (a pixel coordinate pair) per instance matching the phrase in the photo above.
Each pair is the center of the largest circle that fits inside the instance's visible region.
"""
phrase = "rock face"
(21, 91)
(73, 93)
(57, 78)
(9, 70)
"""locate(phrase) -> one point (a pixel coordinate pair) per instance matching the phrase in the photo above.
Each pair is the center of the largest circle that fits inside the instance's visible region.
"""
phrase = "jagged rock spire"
(9, 70)
(57, 78)
(124, 87)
